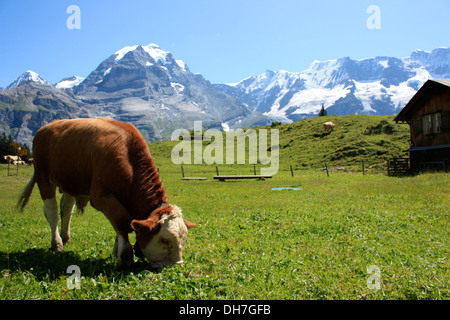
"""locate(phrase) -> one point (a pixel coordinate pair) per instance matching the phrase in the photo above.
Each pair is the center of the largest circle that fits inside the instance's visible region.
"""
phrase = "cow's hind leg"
(51, 213)
(67, 205)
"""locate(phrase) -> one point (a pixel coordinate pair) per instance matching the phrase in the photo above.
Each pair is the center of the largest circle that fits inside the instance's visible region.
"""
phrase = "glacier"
(379, 85)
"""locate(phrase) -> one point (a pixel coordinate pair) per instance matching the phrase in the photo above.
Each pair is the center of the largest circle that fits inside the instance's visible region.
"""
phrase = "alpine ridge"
(148, 87)
(374, 86)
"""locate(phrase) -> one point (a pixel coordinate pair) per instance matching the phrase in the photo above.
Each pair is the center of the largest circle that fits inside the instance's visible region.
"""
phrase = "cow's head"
(161, 236)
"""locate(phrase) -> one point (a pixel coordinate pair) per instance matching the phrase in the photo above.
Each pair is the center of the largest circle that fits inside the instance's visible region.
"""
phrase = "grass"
(254, 243)
(250, 242)
(374, 139)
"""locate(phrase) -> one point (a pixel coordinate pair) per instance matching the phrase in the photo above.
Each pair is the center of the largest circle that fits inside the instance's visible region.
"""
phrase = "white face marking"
(165, 248)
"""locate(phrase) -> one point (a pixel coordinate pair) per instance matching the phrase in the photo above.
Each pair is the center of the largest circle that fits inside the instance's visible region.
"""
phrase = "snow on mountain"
(150, 59)
(122, 52)
(157, 54)
(26, 77)
(68, 83)
(379, 85)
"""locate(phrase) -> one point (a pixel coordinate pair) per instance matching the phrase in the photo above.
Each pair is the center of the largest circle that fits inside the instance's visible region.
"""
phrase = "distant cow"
(328, 126)
(12, 159)
(108, 163)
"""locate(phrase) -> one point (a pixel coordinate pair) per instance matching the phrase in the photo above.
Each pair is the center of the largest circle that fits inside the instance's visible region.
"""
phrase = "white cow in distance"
(14, 160)
(328, 126)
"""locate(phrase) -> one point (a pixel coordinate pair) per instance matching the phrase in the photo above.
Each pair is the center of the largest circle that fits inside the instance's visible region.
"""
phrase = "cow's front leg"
(51, 213)
(119, 218)
(137, 251)
(123, 251)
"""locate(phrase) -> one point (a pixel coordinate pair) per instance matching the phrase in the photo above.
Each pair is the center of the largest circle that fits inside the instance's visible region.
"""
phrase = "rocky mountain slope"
(148, 87)
(143, 85)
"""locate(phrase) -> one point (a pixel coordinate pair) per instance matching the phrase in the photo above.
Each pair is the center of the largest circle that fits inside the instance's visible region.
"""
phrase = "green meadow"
(251, 242)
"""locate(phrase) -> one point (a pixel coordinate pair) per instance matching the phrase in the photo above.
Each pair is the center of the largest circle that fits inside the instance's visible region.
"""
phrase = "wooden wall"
(436, 101)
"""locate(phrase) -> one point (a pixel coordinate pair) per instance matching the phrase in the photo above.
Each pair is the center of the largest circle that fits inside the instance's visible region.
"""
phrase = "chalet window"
(417, 126)
(427, 124)
(437, 122)
(431, 123)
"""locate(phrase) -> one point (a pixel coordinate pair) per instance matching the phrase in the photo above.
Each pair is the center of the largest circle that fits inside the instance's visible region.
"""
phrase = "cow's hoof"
(137, 251)
(124, 265)
(65, 240)
(57, 247)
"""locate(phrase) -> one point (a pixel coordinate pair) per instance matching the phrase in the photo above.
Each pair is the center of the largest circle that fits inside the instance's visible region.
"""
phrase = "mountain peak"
(28, 76)
(155, 52)
(68, 83)
(122, 52)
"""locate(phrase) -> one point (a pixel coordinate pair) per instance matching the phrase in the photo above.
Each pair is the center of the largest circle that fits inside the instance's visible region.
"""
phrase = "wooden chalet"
(428, 115)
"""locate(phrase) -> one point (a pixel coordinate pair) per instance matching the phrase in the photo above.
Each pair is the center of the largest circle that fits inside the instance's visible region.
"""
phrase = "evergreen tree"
(322, 111)
(7, 148)
(5, 145)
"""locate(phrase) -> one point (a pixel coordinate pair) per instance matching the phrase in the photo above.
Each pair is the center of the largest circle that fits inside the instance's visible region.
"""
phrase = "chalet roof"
(404, 115)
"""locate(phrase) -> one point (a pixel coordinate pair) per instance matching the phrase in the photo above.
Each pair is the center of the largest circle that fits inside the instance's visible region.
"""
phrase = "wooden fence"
(398, 166)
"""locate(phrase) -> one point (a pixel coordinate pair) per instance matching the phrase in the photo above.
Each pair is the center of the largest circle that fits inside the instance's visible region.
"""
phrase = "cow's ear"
(189, 224)
(143, 225)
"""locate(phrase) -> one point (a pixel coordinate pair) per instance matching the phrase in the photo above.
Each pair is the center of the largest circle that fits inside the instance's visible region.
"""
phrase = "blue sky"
(224, 40)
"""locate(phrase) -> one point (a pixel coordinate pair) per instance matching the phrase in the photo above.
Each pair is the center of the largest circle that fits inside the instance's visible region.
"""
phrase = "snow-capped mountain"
(148, 87)
(68, 83)
(144, 85)
(27, 76)
(380, 85)
(158, 93)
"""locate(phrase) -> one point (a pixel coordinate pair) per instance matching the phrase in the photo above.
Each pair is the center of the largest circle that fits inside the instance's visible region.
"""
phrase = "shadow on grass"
(44, 263)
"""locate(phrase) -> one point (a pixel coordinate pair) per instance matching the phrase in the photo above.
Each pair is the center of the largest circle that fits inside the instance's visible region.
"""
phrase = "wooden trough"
(232, 177)
(191, 178)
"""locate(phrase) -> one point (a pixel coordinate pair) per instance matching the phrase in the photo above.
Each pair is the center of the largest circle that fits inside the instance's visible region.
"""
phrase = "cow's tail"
(26, 193)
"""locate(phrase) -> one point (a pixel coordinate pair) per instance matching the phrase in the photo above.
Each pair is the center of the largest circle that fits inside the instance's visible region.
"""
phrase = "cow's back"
(73, 154)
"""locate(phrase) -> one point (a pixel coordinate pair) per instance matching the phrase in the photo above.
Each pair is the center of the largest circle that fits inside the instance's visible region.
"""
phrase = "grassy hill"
(374, 139)
(306, 145)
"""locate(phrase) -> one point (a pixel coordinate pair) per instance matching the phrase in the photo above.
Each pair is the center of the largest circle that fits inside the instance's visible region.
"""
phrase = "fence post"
(326, 168)
(363, 167)
(182, 171)
(292, 172)
(217, 170)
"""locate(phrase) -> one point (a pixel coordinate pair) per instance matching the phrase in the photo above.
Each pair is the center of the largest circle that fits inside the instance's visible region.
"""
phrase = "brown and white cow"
(108, 163)
(328, 126)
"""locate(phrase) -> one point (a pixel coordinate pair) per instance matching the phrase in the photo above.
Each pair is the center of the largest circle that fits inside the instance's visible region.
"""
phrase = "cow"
(12, 159)
(328, 126)
(108, 163)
